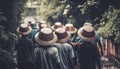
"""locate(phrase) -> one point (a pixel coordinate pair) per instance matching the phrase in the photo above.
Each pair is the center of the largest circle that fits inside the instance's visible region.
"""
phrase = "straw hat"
(42, 26)
(45, 37)
(57, 25)
(87, 33)
(70, 28)
(87, 23)
(62, 35)
(43, 22)
(24, 29)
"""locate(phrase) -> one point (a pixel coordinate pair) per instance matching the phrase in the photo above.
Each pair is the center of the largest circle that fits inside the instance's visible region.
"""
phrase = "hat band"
(24, 29)
(88, 34)
(70, 28)
(58, 26)
(46, 37)
(61, 35)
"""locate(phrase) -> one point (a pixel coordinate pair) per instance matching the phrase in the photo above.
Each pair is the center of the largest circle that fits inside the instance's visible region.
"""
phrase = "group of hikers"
(58, 46)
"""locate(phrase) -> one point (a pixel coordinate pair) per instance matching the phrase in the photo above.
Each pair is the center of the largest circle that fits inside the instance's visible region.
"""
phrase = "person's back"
(66, 54)
(24, 46)
(24, 51)
(88, 55)
(44, 58)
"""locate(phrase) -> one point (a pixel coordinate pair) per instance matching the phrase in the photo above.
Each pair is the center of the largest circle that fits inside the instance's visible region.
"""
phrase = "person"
(43, 26)
(24, 46)
(73, 31)
(66, 52)
(97, 41)
(89, 54)
(74, 41)
(33, 32)
(45, 55)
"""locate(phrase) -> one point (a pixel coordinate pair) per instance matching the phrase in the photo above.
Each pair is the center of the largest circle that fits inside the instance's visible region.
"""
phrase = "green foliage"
(7, 39)
(7, 47)
(6, 59)
(16, 11)
(110, 22)
(49, 8)
(81, 12)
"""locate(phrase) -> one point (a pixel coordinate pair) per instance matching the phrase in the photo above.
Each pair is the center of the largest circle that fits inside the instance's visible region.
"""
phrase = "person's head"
(42, 22)
(29, 22)
(70, 28)
(57, 25)
(33, 25)
(24, 29)
(62, 34)
(44, 25)
(46, 37)
(87, 33)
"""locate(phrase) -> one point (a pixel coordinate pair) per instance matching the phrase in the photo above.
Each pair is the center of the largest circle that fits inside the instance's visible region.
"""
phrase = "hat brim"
(24, 33)
(91, 39)
(65, 39)
(72, 32)
(45, 43)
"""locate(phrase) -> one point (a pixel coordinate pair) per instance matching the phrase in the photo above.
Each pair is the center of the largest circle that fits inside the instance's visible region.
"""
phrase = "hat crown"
(44, 25)
(24, 25)
(60, 30)
(88, 31)
(69, 27)
(24, 28)
(43, 22)
(33, 22)
(61, 33)
(45, 37)
(46, 34)
(87, 24)
(58, 25)
(46, 30)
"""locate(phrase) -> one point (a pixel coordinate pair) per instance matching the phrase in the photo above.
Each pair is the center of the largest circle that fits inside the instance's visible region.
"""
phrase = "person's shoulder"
(56, 44)
(52, 49)
(67, 45)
